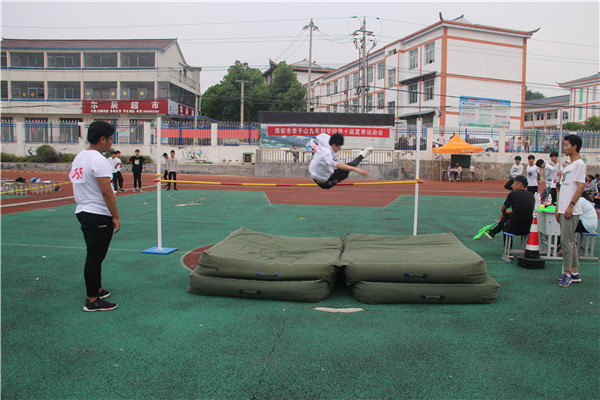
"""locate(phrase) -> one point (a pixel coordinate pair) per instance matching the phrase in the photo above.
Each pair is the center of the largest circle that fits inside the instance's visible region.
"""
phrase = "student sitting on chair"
(517, 211)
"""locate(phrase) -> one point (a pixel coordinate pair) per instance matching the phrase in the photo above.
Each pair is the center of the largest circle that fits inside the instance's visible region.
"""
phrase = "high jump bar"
(287, 184)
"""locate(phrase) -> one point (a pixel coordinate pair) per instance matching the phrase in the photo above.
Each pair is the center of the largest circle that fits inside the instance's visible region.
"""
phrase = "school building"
(451, 73)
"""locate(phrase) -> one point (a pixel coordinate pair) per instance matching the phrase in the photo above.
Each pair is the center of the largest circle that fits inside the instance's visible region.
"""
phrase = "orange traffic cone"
(531, 259)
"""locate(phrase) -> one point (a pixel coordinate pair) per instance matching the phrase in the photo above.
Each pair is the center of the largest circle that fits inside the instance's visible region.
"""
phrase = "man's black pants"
(137, 179)
(338, 175)
(117, 180)
(172, 177)
(97, 233)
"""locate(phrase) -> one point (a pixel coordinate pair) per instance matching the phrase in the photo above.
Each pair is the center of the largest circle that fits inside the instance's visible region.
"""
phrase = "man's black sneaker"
(103, 294)
(99, 305)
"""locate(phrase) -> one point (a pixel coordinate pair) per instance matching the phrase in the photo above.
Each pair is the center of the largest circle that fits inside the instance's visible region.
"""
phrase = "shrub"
(6, 157)
(67, 157)
(46, 154)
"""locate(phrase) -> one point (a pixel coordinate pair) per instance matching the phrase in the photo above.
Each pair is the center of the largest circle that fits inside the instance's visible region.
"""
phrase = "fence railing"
(49, 133)
(282, 155)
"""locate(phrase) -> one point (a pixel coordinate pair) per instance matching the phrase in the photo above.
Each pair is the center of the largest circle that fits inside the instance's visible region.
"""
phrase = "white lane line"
(36, 202)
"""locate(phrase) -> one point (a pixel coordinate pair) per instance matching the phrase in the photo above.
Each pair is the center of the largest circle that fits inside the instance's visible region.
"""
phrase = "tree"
(592, 124)
(222, 101)
(572, 126)
(284, 93)
(531, 95)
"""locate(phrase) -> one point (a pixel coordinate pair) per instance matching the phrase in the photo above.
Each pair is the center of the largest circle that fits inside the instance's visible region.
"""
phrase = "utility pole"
(242, 81)
(363, 56)
(311, 27)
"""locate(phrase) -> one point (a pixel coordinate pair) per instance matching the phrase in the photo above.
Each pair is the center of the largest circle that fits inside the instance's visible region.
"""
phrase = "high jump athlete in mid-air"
(325, 169)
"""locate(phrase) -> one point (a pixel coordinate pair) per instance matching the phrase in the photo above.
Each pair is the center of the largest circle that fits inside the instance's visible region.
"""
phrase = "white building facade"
(584, 98)
(451, 73)
(51, 89)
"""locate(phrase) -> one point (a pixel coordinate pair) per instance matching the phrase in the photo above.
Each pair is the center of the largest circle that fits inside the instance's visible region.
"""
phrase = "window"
(4, 63)
(27, 90)
(413, 59)
(100, 90)
(412, 93)
(552, 115)
(581, 95)
(529, 117)
(381, 70)
(8, 129)
(69, 130)
(355, 105)
(137, 90)
(430, 53)
(369, 103)
(392, 52)
(167, 90)
(335, 87)
(565, 115)
(100, 60)
(380, 101)
(329, 89)
(391, 107)
(580, 113)
(346, 106)
(137, 60)
(136, 132)
(429, 89)
(370, 74)
(595, 93)
(36, 130)
(347, 82)
(64, 91)
(391, 77)
(27, 60)
(335, 108)
(539, 116)
(316, 101)
(64, 60)
(356, 79)
(4, 90)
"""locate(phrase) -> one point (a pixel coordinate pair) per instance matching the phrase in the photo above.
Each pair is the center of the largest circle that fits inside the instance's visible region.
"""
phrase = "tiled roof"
(548, 101)
(108, 44)
(587, 78)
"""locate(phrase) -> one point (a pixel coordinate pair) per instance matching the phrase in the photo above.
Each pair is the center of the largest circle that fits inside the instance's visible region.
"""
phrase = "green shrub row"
(47, 154)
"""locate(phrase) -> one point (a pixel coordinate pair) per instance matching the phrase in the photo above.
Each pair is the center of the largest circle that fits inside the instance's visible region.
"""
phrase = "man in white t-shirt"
(515, 170)
(117, 179)
(325, 169)
(96, 209)
(551, 175)
(533, 174)
(572, 184)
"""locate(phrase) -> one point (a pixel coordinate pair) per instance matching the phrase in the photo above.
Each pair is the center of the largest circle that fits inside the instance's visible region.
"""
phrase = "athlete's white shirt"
(572, 174)
(516, 170)
(87, 166)
(116, 164)
(324, 161)
(532, 175)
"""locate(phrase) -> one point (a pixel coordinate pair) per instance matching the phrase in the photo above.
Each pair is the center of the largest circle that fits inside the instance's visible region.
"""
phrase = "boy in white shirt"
(325, 169)
(533, 174)
(96, 209)
(572, 183)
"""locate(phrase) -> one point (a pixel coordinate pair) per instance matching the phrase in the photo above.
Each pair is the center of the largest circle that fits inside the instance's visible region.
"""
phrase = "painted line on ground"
(36, 202)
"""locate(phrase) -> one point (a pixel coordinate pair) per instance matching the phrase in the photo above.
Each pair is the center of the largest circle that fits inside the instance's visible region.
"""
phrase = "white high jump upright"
(159, 249)
(417, 173)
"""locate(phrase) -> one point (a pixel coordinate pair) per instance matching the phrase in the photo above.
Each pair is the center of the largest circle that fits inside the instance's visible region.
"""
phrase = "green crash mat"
(435, 258)
(308, 291)
(433, 293)
(246, 254)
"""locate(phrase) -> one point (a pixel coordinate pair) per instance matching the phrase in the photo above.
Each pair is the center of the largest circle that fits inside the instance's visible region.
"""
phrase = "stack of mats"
(257, 265)
(435, 268)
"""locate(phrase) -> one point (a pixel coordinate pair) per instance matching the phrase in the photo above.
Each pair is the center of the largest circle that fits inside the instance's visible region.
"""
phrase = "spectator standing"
(515, 170)
(137, 166)
(533, 174)
(572, 183)
(172, 168)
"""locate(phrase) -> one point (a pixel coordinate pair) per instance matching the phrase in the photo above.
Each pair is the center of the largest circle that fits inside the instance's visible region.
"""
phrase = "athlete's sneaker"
(140, 189)
(103, 294)
(575, 278)
(99, 305)
(565, 281)
(488, 234)
(365, 153)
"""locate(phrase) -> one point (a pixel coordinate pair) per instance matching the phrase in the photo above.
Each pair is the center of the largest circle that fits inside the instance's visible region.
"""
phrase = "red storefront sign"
(125, 106)
(356, 131)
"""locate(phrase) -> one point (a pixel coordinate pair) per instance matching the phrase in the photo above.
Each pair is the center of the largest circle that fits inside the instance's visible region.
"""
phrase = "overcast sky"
(214, 35)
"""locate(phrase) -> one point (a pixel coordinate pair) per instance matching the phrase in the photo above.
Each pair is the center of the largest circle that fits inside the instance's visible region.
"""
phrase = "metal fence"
(49, 133)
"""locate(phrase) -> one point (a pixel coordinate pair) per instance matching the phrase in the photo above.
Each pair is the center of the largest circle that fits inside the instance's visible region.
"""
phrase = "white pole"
(417, 174)
(158, 192)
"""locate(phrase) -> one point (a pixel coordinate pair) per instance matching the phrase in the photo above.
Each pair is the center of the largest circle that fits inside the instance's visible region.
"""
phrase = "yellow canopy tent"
(456, 145)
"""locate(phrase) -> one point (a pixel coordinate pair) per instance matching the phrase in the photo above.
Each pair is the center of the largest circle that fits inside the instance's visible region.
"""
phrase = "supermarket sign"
(302, 130)
(136, 107)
